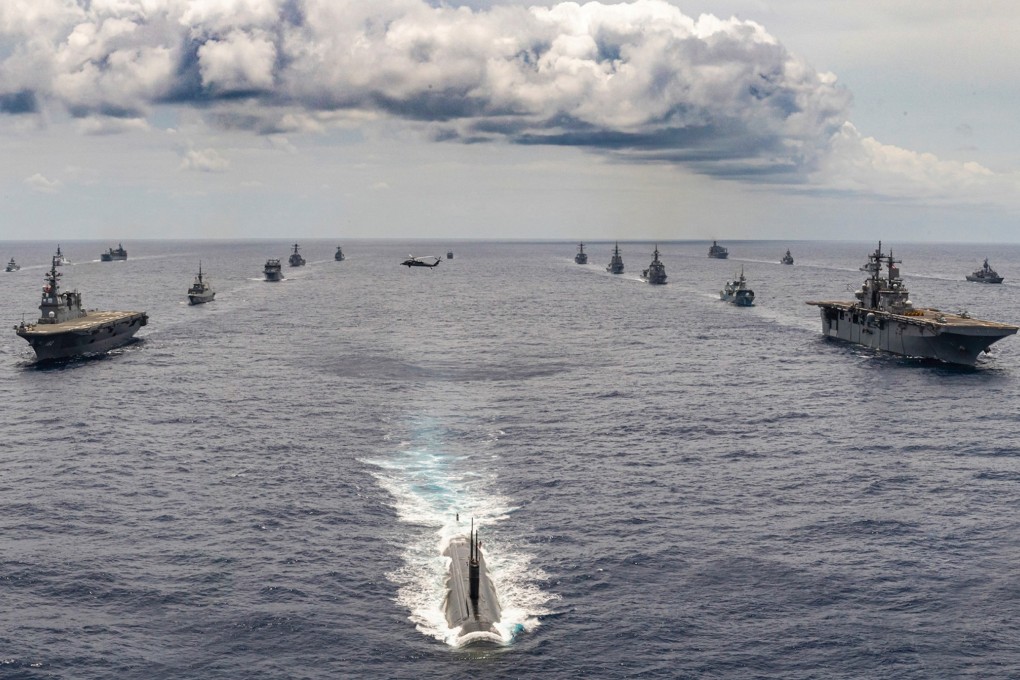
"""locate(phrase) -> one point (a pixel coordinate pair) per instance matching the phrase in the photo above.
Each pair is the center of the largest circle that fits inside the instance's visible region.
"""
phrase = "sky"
(653, 119)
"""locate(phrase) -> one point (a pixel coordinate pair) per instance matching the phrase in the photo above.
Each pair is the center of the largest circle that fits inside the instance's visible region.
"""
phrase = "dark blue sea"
(667, 486)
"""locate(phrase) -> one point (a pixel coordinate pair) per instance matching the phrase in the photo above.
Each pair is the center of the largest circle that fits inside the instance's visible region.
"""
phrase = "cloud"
(638, 81)
(43, 184)
(204, 160)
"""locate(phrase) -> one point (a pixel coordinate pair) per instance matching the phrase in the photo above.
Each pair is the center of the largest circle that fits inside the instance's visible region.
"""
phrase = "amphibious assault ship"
(656, 272)
(66, 330)
(471, 603)
(883, 317)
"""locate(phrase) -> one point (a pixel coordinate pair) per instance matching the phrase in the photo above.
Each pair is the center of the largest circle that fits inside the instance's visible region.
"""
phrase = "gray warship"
(339, 255)
(60, 259)
(12, 266)
(737, 292)
(66, 330)
(615, 265)
(718, 252)
(884, 318)
(201, 290)
(449, 254)
(114, 254)
(656, 272)
(581, 257)
(295, 258)
(273, 271)
(787, 259)
(985, 275)
(471, 603)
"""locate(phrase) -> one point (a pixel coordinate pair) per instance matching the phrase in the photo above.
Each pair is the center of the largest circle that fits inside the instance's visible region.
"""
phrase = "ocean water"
(667, 486)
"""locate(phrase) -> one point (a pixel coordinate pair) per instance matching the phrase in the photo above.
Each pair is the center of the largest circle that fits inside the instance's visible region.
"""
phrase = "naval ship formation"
(883, 317)
(65, 330)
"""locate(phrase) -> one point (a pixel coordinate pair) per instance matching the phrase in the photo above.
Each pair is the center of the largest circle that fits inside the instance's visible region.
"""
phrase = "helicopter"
(420, 261)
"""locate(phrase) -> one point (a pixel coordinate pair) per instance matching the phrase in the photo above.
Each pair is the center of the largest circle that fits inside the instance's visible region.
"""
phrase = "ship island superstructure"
(65, 329)
(884, 318)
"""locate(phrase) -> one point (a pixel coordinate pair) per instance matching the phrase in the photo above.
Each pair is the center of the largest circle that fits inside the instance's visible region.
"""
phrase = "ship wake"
(436, 494)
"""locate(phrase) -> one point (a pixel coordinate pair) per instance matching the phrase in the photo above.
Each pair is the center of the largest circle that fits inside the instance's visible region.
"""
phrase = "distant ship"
(884, 318)
(295, 259)
(581, 257)
(787, 259)
(656, 272)
(60, 259)
(273, 271)
(985, 275)
(12, 266)
(449, 254)
(66, 330)
(615, 265)
(718, 252)
(200, 291)
(339, 256)
(471, 604)
(737, 292)
(112, 254)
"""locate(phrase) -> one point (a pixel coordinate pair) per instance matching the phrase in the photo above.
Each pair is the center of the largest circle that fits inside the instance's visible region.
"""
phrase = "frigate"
(66, 330)
(656, 272)
(615, 265)
(273, 271)
(581, 257)
(718, 252)
(471, 603)
(12, 266)
(113, 254)
(201, 290)
(985, 275)
(339, 256)
(787, 259)
(884, 318)
(737, 292)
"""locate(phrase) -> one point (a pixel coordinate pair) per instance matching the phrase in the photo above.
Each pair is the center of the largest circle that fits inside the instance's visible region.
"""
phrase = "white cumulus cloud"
(204, 160)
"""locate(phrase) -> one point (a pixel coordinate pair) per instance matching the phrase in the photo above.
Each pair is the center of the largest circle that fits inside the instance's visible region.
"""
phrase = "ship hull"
(106, 257)
(201, 298)
(985, 279)
(919, 337)
(95, 333)
(274, 276)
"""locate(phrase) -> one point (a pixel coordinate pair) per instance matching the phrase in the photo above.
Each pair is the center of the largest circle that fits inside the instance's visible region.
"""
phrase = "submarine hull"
(476, 617)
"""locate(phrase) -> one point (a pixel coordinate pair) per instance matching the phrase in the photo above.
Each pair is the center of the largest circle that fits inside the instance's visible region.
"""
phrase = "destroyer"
(339, 256)
(656, 272)
(718, 252)
(737, 292)
(12, 266)
(615, 265)
(66, 330)
(985, 275)
(471, 603)
(200, 291)
(295, 258)
(272, 270)
(883, 317)
(787, 259)
(113, 254)
(581, 257)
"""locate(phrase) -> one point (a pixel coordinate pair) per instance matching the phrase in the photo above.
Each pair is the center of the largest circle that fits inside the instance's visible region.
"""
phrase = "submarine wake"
(437, 494)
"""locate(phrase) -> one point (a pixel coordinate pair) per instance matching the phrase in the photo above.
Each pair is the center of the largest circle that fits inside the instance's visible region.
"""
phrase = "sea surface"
(667, 486)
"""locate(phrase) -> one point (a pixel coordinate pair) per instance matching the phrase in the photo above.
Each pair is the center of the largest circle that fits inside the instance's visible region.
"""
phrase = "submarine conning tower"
(474, 570)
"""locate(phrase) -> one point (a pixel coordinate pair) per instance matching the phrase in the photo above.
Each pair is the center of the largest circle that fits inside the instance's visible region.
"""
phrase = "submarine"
(471, 603)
